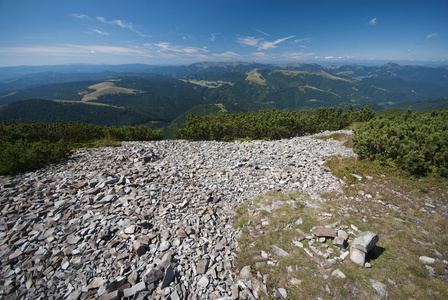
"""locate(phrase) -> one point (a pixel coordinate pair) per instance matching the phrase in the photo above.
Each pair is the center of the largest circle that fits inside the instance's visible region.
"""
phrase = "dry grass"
(106, 88)
(394, 205)
(343, 138)
(255, 77)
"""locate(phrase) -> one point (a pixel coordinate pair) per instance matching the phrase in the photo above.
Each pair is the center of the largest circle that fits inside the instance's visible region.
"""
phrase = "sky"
(177, 32)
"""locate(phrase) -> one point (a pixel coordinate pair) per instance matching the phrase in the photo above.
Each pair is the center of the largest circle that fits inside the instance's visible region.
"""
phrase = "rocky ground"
(147, 219)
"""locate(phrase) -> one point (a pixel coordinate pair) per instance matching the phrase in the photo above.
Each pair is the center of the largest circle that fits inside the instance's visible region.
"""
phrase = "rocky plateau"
(147, 220)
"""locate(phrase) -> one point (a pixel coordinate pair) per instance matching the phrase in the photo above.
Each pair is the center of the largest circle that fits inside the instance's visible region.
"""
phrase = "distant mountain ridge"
(167, 94)
(13, 78)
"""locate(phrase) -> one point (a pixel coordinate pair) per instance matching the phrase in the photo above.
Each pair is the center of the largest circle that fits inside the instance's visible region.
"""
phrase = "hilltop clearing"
(155, 218)
(106, 88)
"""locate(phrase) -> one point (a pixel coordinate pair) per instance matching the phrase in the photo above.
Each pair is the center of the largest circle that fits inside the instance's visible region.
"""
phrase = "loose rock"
(101, 222)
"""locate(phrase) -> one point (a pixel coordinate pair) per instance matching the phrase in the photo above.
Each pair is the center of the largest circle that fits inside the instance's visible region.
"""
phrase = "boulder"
(357, 256)
(365, 241)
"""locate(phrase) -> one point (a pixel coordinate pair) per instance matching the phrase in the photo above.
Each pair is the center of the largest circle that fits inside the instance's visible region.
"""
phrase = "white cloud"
(249, 41)
(228, 54)
(301, 40)
(262, 32)
(79, 16)
(270, 45)
(258, 54)
(106, 49)
(100, 32)
(297, 55)
(336, 58)
(122, 24)
(260, 43)
(165, 46)
(432, 35)
(101, 19)
(372, 22)
(409, 50)
(73, 50)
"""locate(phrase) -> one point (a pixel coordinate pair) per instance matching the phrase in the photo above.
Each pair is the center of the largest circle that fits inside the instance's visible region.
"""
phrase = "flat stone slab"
(202, 266)
(279, 251)
(323, 231)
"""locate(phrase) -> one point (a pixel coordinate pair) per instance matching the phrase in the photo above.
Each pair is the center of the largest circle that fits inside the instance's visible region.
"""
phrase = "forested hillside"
(158, 96)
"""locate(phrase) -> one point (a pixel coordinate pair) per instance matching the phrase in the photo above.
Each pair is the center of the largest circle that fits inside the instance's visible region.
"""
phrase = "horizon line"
(322, 62)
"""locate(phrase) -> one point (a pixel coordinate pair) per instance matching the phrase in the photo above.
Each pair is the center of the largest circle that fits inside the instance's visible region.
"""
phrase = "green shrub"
(28, 146)
(21, 155)
(269, 124)
(414, 142)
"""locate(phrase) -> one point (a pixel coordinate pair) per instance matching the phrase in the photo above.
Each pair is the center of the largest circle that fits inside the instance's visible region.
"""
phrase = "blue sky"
(173, 32)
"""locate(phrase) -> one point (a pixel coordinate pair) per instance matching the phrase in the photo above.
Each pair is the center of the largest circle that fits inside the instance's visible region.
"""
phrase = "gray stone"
(323, 231)
(338, 273)
(357, 256)
(431, 271)
(116, 284)
(235, 292)
(73, 239)
(326, 264)
(96, 283)
(379, 289)
(202, 266)
(343, 234)
(339, 242)
(174, 295)
(60, 204)
(115, 295)
(279, 251)
(203, 282)
(297, 244)
(164, 245)
(430, 205)
(427, 260)
(283, 292)
(73, 215)
(168, 278)
(365, 241)
(153, 276)
(65, 265)
(245, 273)
(111, 181)
(130, 229)
(132, 291)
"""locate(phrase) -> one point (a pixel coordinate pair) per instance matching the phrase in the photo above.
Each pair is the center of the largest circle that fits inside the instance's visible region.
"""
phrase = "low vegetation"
(27, 146)
(417, 143)
(269, 124)
(408, 213)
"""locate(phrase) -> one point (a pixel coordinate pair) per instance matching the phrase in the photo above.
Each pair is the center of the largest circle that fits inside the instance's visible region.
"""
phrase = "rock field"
(147, 219)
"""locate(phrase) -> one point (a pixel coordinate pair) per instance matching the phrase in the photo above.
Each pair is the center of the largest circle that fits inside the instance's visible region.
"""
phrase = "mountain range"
(162, 95)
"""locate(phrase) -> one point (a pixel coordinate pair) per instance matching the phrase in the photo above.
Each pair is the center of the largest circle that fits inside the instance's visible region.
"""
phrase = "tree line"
(269, 124)
(415, 142)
